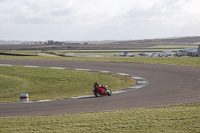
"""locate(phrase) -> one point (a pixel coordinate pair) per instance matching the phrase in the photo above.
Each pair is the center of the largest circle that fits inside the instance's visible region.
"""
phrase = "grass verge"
(175, 46)
(189, 61)
(46, 83)
(174, 119)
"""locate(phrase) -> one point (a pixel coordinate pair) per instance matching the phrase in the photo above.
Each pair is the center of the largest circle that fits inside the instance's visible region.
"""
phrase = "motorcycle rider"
(98, 85)
(95, 85)
(105, 87)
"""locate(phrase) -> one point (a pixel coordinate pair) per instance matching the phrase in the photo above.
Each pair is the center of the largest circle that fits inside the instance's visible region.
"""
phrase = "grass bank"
(171, 119)
(179, 118)
(46, 83)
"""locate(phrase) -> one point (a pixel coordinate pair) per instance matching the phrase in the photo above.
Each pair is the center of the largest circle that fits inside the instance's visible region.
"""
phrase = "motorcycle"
(101, 90)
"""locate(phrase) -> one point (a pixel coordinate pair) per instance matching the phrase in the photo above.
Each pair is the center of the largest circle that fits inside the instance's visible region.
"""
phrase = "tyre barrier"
(24, 97)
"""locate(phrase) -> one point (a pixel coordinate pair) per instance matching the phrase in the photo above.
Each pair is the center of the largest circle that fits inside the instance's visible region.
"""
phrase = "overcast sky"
(61, 20)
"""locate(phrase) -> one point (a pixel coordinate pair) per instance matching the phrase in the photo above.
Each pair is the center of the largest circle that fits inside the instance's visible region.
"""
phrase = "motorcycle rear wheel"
(97, 93)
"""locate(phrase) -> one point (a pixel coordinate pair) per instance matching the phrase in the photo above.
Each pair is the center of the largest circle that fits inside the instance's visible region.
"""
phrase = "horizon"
(176, 37)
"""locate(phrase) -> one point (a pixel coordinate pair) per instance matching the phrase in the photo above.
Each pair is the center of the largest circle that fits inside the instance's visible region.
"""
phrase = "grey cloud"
(99, 19)
(33, 20)
(61, 12)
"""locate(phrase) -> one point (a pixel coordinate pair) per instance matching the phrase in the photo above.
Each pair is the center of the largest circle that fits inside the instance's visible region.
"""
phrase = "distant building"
(194, 52)
(85, 43)
(199, 50)
(73, 43)
(51, 42)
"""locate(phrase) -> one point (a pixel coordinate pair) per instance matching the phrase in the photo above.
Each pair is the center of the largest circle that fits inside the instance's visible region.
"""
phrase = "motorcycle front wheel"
(109, 92)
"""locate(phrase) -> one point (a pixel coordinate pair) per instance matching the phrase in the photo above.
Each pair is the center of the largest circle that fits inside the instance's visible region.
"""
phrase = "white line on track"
(82, 69)
(58, 67)
(141, 82)
(117, 92)
(44, 100)
(87, 96)
(136, 87)
(5, 65)
(31, 66)
(104, 71)
(124, 74)
(136, 78)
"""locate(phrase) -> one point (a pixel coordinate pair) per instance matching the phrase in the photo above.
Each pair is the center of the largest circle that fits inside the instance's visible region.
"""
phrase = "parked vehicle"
(127, 54)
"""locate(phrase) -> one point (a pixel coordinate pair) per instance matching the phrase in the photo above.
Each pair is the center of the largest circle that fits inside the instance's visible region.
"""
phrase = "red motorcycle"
(101, 90)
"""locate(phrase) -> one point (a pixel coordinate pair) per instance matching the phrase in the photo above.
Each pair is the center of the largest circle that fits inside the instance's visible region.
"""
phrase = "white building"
(51, 42)
(189, 52)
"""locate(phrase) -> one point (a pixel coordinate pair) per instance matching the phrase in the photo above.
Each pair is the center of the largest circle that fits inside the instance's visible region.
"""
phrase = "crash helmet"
(106, 86)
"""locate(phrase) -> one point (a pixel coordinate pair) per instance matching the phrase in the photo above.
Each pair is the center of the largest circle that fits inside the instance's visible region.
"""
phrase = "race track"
(168, 85)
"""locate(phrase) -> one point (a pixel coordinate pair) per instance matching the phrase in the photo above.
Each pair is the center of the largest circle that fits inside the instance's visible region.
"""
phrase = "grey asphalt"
(168, 85)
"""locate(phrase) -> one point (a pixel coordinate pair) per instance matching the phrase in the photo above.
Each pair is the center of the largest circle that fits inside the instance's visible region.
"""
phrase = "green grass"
(170, 119)
(175, 46)
(179, 118)
(46, 83)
